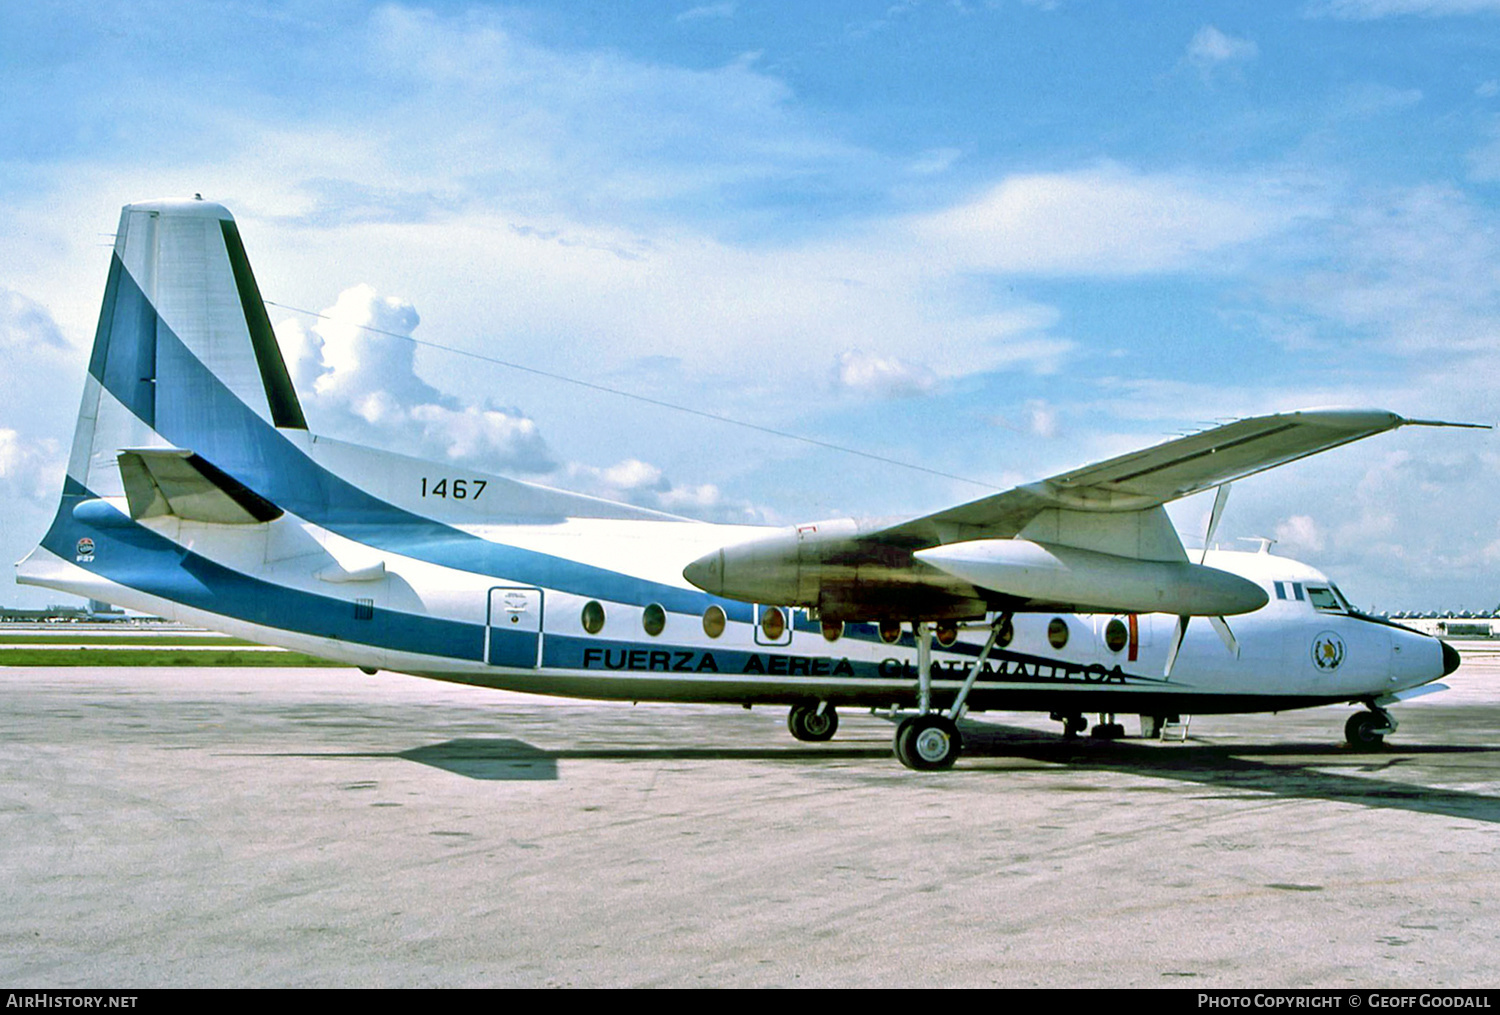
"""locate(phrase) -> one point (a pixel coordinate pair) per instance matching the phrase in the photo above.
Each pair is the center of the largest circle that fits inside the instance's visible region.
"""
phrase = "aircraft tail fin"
(180, 299)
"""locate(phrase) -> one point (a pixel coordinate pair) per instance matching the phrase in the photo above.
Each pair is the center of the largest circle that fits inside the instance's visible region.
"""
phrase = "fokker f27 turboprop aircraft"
(195, 491)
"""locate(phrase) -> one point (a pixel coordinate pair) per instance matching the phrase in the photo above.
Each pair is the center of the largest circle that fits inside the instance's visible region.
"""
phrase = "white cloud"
(645, 485)
(886, 376)
(717, 11)
(560, 129)
(747, 329)
(1369, 99)
(935, 161)
(1299, 535)
(1037, 418)
(1416, 270)
(355, 369)
(1105, 221)
(31, 469)
(1211, 50)
(1042, 418)
(39, 395)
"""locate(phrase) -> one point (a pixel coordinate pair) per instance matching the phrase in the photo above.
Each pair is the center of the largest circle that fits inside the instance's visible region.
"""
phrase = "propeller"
(1220, 625)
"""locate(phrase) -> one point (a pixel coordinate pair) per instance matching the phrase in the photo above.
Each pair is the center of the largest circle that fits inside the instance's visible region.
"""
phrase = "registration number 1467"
(457, 489)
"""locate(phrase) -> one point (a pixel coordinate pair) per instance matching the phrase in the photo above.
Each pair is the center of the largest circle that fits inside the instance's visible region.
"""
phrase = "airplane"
(195, 491)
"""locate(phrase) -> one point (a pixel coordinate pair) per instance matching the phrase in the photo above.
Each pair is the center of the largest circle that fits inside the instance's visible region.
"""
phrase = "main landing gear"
(1366, 731)
(929, 741)
(813, 722)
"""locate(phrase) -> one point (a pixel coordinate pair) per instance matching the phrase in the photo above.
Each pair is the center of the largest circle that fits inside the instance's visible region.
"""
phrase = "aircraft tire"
(804, 723)
(899, 740)
(928, 743)
(1362, 731)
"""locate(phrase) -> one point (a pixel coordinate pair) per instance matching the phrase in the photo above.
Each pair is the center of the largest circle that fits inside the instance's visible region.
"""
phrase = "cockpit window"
(1324, 600)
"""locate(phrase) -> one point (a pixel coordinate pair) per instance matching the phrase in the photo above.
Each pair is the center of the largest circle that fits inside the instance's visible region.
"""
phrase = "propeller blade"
(1226, 635)
(1181, 632)
(1220, 499)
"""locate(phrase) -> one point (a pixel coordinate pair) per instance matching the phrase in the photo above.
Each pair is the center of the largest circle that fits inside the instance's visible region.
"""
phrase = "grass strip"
(165, 657)
(175, 638)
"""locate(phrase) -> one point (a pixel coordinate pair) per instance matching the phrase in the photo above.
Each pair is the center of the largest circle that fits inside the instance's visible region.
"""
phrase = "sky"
(995, 240)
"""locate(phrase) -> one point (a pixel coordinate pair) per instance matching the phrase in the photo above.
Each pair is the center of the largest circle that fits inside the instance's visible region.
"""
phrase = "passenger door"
(513, 633)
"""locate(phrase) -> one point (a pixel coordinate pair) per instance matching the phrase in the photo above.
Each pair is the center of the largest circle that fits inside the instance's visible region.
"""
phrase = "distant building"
(1451, 625)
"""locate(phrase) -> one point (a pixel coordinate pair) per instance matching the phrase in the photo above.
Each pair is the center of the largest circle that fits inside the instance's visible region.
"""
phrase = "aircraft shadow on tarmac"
(1289, 771)
(515, 759)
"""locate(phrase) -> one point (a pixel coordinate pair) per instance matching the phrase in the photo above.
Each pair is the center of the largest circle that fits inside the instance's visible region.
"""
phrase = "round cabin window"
(772, 622)
(654, 619)
(1007, 632)
(593, 617)
(1057, 633)
(947, 633)
(714, 621)
(1115, 635)
(833, 630)
(890, 631)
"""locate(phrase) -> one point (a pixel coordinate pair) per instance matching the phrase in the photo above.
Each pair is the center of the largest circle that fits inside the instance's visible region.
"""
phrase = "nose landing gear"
(1366, 731)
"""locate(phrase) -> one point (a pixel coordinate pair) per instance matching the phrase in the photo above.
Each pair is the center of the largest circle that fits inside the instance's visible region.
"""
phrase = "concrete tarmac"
(280, 827)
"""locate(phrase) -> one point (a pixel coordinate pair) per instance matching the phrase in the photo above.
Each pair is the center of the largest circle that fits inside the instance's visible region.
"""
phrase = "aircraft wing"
(1152, 477)
(1094, 539)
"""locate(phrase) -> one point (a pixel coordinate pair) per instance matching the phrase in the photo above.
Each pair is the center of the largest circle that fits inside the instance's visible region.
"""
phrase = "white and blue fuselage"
(262, 530)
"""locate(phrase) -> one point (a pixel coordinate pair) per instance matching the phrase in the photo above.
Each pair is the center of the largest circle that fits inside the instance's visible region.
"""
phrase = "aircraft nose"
(1450, 658)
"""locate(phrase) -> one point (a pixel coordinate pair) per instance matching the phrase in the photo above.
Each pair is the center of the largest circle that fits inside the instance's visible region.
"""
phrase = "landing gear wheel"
(898, 743)
(805, 723)
(1108, 731)
(928, 743)
(1366, 731)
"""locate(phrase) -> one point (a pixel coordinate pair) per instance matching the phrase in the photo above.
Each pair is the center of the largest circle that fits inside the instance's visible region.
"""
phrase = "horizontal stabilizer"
(173, 481)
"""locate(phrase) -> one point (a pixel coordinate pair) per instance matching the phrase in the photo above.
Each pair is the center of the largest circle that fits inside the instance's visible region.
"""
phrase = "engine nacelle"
(833, 567)
(827, 566)
(1091, 581)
